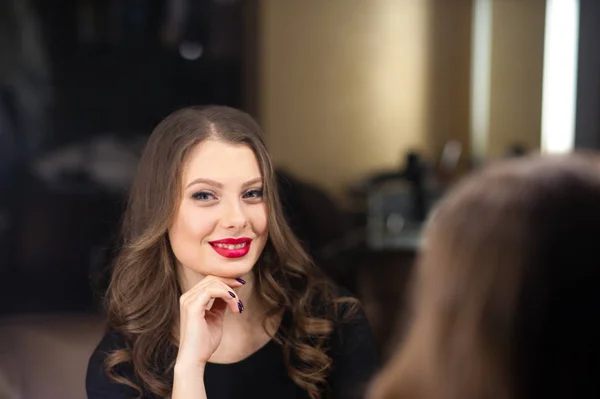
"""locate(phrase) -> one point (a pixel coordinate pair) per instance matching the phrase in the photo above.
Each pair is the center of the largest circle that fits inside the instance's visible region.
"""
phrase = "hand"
(201, 329)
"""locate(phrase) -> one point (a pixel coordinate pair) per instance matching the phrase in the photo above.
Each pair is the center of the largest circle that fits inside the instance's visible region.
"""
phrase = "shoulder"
(344, 309)
(352, 346)
(352, 326)
(336, 303)
(110, 342)
(98, 384)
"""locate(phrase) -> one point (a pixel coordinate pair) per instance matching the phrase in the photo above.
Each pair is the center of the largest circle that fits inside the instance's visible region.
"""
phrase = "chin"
(233, 268)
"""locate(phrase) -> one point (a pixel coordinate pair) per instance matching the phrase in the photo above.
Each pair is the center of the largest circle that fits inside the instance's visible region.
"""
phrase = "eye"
(203, 196)
(254, 193)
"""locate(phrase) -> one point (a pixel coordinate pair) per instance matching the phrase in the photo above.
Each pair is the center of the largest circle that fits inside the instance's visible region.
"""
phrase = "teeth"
(230, 247)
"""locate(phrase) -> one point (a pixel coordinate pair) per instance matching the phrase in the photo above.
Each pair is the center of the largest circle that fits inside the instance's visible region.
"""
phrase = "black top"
(262, 374)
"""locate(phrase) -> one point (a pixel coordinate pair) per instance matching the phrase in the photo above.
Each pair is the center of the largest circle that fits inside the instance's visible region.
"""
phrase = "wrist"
(189, 368)
(188, 381)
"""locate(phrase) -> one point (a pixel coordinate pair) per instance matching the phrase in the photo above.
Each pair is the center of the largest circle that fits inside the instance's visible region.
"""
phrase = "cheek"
(193, 224)
(260, 220)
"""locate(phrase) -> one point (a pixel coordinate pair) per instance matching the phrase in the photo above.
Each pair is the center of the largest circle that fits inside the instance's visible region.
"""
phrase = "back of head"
(505, 295)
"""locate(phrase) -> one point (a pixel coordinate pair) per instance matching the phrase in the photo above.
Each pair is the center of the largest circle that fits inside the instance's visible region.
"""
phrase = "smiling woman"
(211, 286)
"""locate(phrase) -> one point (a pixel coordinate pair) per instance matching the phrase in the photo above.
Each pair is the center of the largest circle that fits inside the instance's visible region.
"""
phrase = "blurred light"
(450, 155)
(395, 223)
(560, 75)
(191, 50)
(480, 76)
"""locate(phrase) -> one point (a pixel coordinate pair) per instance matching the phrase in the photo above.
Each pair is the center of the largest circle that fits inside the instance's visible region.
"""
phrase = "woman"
(506, 295)
(211, 294)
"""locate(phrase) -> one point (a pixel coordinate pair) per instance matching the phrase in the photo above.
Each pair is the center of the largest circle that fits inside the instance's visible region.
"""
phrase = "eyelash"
(199, 194)
(256, 192)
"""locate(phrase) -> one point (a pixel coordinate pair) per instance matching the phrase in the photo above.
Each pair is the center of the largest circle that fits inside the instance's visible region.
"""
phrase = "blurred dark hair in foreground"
(506, 294)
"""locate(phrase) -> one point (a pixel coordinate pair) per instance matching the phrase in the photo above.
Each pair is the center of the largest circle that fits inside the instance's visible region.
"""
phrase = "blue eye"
(254, 193)
(203, 196)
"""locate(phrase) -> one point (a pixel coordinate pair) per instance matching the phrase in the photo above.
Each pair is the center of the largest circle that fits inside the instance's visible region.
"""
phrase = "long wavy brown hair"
(506, 293)
(142, 301)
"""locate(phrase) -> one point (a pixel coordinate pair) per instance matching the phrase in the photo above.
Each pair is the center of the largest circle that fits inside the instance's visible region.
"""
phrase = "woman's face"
(220, 227)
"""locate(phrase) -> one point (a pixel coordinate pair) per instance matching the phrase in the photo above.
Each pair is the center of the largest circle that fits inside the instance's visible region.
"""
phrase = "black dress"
(262, 374)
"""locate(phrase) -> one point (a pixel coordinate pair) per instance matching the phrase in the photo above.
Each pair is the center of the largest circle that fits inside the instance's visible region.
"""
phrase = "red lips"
(232, 247)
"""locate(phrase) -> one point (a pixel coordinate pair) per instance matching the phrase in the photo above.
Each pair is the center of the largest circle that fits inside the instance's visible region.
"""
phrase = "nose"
(233, 217)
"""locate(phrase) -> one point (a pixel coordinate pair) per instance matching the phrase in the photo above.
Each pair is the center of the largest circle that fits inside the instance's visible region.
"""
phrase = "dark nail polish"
(240, 307)
(232, 294)
(240, 280)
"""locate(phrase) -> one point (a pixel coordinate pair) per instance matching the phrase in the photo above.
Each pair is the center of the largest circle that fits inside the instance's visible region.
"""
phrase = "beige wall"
(516, 74)
(449, 74)
(346, 87)
(345, 84)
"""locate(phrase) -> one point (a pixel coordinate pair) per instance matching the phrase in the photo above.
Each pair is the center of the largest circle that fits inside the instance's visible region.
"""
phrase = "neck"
(254, 308)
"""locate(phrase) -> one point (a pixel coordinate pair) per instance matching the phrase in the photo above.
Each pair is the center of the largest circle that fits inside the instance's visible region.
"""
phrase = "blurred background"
(371, 110)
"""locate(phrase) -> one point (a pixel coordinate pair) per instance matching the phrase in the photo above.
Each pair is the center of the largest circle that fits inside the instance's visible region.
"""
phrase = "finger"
(240, 306)
(229, 289)
(201, 301)
(209, 280)
(229, 284)
(217, 282)
(202, 298)
(226, 296)
(219, 307)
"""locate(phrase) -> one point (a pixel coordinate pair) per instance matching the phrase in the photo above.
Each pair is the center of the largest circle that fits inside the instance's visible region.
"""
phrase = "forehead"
(221, 161)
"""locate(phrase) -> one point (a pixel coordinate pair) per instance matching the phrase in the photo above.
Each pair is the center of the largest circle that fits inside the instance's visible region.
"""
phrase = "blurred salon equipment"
(399, 203)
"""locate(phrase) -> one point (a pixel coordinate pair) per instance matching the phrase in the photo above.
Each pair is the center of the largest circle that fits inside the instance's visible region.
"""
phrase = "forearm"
(188, 383)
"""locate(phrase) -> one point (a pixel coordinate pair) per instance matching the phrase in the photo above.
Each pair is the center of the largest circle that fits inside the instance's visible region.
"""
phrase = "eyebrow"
(217, 184)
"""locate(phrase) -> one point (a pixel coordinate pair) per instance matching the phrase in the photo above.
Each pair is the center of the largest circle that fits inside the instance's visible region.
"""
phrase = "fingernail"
(240, 281)
(240, 306)
(232, 294)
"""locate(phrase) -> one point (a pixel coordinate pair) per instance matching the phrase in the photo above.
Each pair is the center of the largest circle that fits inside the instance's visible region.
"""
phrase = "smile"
(232, 247)
(226, 246)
